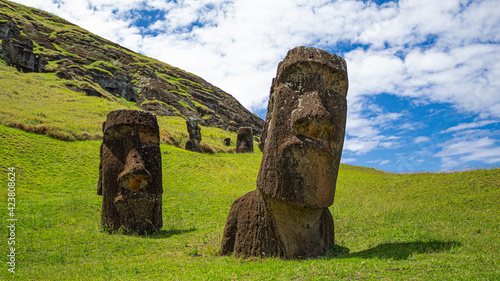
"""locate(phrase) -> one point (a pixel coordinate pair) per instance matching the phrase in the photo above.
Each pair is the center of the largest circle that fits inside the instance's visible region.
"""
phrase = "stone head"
(244, 140)
(193, 128)
(304, 129)
(130, 153)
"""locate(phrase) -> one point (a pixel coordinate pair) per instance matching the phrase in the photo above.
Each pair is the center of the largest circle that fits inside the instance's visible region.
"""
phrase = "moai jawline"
(287, 215)
(193, 144)
(244, 140)
(130, 175)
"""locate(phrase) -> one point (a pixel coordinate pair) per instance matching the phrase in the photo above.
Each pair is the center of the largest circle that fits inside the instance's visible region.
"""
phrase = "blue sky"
(424, 75)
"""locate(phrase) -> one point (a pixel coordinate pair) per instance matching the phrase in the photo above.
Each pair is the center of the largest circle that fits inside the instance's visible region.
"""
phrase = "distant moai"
(244, 140)
(287, 215)
(130, 175)
(227, 141)
(194, 130)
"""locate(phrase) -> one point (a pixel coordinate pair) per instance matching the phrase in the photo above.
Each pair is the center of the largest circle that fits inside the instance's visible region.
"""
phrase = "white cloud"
(347, 160)
(421, 139)
(459, 150)
(465, 126)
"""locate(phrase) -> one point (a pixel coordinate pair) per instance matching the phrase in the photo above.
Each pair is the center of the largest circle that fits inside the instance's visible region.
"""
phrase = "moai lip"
(287, 215)
(130, 176)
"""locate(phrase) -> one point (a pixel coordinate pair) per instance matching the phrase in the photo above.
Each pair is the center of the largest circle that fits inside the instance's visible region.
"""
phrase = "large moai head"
(244, 140)
(130, 175)
(304, 129)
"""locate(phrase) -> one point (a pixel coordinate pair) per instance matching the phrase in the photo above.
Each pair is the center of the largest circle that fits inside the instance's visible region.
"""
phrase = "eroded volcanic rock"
(130, 175)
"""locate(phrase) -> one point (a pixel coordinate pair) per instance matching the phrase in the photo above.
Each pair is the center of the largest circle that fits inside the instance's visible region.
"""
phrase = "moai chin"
(244, 140)
(193, 144)
(130, 175)
(287, 215)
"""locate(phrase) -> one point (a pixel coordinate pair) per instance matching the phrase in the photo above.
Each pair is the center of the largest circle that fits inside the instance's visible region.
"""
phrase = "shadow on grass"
(163, 234)
(397, 251)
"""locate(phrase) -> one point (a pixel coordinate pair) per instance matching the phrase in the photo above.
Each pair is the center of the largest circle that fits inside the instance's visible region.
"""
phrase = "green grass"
(41, 103)
(393, 226)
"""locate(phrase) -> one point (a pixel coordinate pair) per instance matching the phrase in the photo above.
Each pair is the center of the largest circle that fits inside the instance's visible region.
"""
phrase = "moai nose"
(312, 120)
(134, 176)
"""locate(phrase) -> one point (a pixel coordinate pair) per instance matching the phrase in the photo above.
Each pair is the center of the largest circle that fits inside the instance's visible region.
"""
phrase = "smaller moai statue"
(194, 130)
(130, 175)
(227, 141)
(244, 140)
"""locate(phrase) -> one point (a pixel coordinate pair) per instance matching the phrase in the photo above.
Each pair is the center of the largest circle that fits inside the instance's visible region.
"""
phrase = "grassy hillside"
(410, 226)
(88, 63)
(41, 103)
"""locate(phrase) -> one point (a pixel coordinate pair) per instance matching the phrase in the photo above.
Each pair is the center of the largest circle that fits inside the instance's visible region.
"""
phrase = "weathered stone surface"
(302, 142)
(244, 140)
(193, 144)
(227, 141)
(130, 176)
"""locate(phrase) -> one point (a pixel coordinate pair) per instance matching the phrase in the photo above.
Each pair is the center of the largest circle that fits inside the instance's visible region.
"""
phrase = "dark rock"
(244, 140)
(302, 141)
(227, 141)
(193, 144)
(130, 175)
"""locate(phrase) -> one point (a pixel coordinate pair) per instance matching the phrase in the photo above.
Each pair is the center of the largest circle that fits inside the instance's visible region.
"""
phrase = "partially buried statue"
(244, 140)
(130, 176)
(194, 130)
(287, 215)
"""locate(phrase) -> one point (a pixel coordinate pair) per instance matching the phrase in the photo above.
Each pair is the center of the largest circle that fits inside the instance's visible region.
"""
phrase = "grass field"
(391, 226)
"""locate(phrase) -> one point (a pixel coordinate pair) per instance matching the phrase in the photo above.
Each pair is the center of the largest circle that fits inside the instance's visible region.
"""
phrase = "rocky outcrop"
(287, 215)
(100, 67)
(130, 175)
(17, 50)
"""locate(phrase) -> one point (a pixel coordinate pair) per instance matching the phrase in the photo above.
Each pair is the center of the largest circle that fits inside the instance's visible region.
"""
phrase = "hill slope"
(392, 227)
(36, 41)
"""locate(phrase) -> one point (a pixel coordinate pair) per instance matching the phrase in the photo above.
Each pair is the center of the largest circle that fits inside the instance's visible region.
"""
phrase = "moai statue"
(227, 141)
(130, 176)
(193, 144)
(287, 215)
(244, 140)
